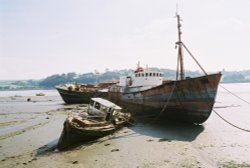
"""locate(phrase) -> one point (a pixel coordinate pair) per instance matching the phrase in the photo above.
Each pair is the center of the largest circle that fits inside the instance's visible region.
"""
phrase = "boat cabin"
(142, 77)
(100, 107)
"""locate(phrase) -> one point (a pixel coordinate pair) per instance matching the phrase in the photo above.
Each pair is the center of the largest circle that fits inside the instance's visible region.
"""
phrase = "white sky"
(39, 38)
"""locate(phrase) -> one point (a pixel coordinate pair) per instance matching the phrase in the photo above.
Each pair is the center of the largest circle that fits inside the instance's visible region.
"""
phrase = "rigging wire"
(224, 89)
(177, 73)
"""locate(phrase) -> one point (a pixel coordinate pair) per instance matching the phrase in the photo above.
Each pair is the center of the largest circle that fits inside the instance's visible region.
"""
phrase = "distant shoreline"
(53, 88)
(92, 78)
(27, 89)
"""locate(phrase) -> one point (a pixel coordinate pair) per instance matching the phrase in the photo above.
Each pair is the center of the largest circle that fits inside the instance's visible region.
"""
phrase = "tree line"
(93, 78)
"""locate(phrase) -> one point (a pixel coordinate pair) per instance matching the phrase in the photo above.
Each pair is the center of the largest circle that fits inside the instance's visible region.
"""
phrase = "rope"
(165, 105)
(233, 125)
(194, 58)
(223, 88)
(235, 95)
(230, 122)
(127, 121)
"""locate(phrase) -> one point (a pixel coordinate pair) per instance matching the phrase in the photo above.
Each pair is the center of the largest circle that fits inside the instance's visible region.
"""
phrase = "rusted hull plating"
(190, 100)
(77, 97)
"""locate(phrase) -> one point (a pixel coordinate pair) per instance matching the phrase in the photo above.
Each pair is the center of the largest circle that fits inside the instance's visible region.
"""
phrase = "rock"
(164, 139)
(150, 140)
(75, 162)
(34, 159)
(115, 150)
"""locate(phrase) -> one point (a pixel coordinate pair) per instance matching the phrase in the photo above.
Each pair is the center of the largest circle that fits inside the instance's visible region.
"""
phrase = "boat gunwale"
(172, 82)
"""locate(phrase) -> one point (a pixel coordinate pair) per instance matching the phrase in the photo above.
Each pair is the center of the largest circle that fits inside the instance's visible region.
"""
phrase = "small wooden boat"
(40, 94)
(102, 118)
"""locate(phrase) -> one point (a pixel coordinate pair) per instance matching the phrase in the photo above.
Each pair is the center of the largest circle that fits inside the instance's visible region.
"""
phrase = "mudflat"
(29, 131)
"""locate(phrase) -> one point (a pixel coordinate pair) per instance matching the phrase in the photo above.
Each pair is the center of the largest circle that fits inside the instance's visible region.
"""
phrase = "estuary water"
(18, 93)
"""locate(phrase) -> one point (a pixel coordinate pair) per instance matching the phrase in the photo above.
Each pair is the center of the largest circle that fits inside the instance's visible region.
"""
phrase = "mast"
(180, 44)
(180, 55)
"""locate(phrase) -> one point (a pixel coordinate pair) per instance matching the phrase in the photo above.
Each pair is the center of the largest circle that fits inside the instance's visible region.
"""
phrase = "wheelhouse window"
(97, 105)
(92, 103)
(103, 108)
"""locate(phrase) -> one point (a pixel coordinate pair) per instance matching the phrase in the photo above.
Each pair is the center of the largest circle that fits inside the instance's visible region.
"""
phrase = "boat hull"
(190, 100)
(78, 97)
(72, 135)
(77, 129)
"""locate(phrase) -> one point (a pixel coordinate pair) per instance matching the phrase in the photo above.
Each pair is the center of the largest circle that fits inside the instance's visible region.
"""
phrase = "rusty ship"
(74, 93)
(186, 99)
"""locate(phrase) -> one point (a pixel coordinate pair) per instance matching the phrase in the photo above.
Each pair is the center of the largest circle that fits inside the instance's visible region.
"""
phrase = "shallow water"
(231, 107)
(19, 93)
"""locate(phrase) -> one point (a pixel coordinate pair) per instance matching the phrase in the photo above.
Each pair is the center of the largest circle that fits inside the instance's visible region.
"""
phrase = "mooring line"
(230, 122)
(233, 125)
(235, 95)
(165, 105)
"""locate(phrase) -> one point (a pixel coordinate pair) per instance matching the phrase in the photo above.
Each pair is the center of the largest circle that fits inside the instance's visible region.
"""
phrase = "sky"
(39, 38)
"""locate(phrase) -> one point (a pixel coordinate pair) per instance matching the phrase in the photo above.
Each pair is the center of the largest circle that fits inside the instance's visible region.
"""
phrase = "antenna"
(138, 64)
(176, 8)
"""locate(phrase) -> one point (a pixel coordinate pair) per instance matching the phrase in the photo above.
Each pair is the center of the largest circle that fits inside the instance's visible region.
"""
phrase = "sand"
(29, 132)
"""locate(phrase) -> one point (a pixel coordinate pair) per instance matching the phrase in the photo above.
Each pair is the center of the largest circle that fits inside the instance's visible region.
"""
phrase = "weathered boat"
(40, 94)
(186, 99)
(81, 93)
(102, 118)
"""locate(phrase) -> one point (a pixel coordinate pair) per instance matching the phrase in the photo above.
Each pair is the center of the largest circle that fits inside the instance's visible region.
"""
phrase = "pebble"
(164, 139)
(75, 162)
(115, 150)
(150, 140)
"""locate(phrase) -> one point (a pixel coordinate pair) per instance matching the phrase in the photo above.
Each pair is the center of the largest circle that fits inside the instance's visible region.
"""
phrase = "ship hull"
(190, 100)
(78, 97)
